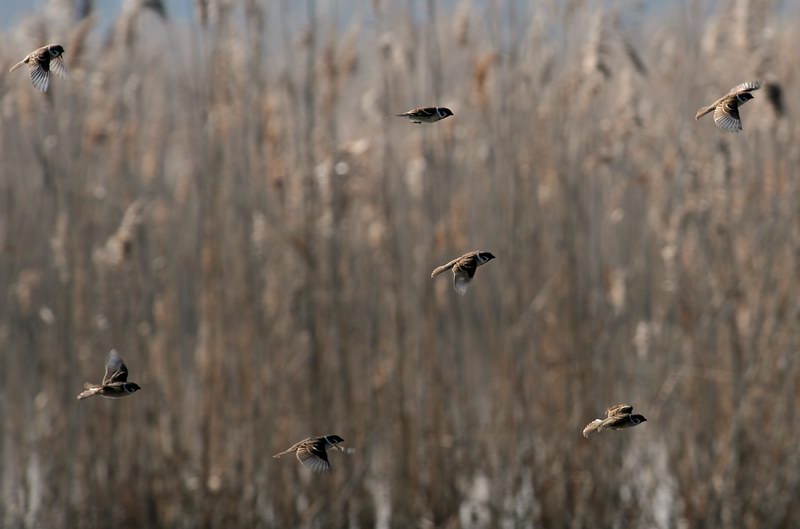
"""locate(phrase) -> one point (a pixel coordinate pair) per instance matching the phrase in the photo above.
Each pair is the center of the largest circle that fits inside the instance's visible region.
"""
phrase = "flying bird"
(426, 114)
(726, 108)
(464, 268)
(617, 417)
(115, 381)
(312, 452)
(41, 62)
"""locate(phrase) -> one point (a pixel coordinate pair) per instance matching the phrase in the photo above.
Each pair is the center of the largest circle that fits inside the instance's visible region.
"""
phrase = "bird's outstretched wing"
(726, 116)
(313, 455)
(422, 112)
(619, 409)
(116, 371)
(58, 68)
(747, 86)
(463, 272)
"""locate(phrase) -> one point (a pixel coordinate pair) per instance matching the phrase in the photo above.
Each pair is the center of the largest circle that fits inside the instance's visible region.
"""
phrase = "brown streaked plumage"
(726, 108)
(41, 62)
(115, 380)
(617, 417)
(464, 268)
(312, 452)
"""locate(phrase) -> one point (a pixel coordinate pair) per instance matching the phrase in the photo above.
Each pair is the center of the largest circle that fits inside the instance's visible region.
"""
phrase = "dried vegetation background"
(224, 201)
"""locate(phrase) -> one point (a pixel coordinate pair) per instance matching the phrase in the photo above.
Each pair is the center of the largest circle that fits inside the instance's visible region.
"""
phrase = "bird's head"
(485, 257)
(744, 97)
(131, 387)
(637, 419)
(444, 112)
(56, 50)
(333, 440)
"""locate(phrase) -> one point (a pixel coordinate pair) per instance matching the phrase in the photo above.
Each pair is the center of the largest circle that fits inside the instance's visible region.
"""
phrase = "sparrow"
(312, 453)
(726, 108)
(41, 62)
(464, 268)
(617, 417)
(115, 381)
(426, 115)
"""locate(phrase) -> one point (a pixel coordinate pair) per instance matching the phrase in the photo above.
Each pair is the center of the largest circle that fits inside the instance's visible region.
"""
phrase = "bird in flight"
(726, 108)
(115, 381)
(617, 417)
(41, 62)
(426, 114)
(312, 452)
(464, 268)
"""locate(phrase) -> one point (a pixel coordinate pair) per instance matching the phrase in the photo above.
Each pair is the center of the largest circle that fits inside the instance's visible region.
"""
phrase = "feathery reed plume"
(27, 281)
(76, 44)
(596, 49)
(58, 245)
(119, 246)
(749, 22)
(633, 55)
(742, 27)
(84, 9)
(201, 12)
(627, 104)
(123, 31)
(156, 6)
(480, 75)
(395, 53)
(461, 23)
(347, 55)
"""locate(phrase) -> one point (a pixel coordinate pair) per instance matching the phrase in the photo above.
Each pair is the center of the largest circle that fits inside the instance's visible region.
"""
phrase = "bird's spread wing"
(426, 112)
(463, 271)
(58, 68)
(726, 116)
(313, 456)
(40, 75)
(619, 409)
(115, 369)
(748, 86)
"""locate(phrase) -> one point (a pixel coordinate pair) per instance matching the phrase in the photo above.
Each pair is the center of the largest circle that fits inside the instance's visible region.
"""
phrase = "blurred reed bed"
(224, 201)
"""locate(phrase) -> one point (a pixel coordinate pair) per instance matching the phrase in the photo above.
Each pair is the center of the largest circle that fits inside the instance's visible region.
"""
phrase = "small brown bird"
(426, 114)
(617, 417)
(464, 268)
(726, 108)
(41, 62)
(312, 452)
(115, 381)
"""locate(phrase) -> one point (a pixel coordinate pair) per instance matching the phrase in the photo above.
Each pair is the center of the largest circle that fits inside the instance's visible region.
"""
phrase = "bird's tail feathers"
(90, 391)
(18, 65)
(439, 270)
(703, 111)
(592, 428)
(278, 455)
